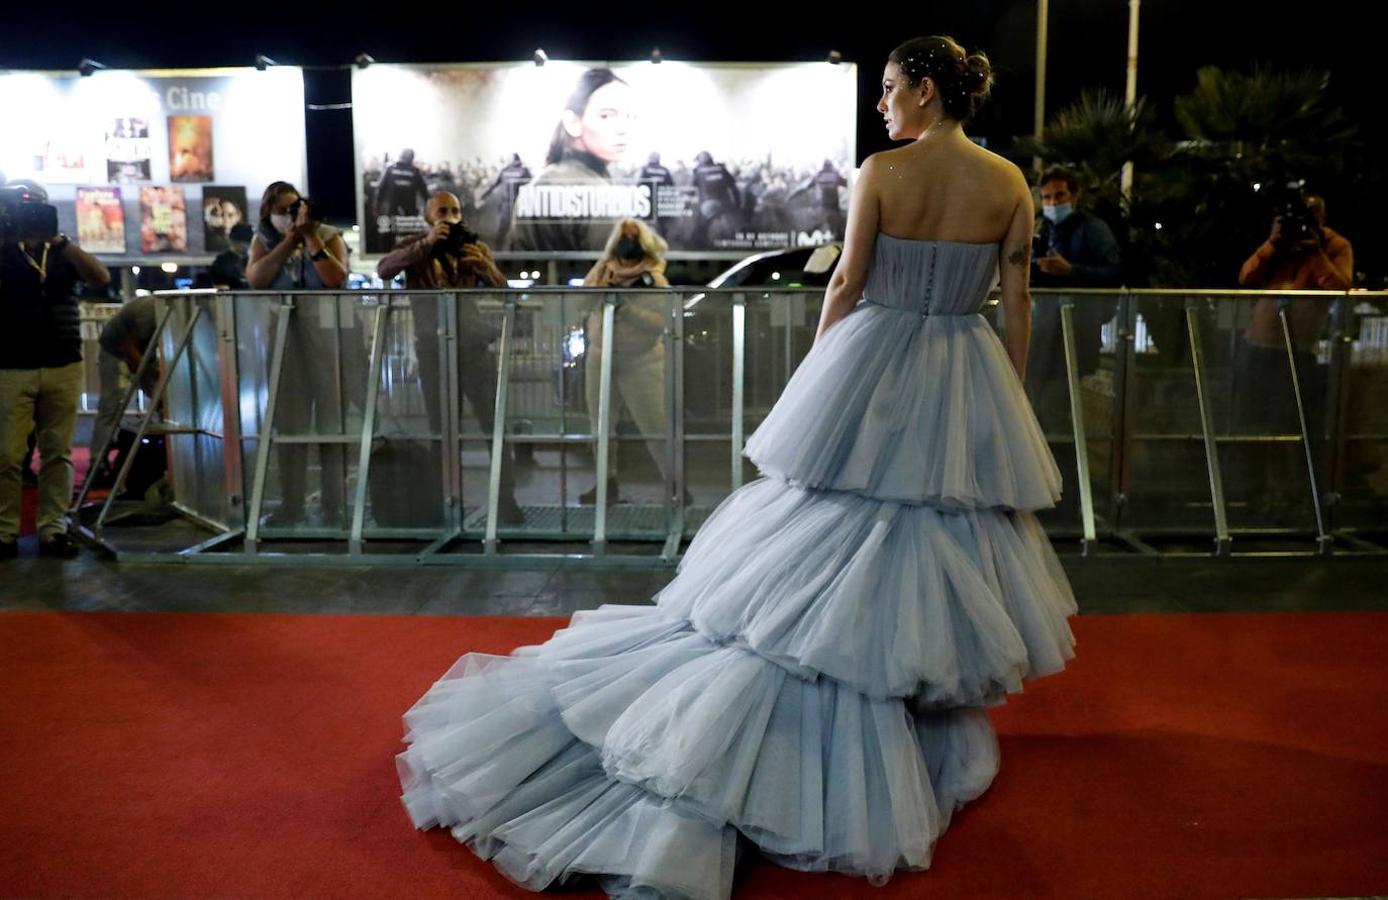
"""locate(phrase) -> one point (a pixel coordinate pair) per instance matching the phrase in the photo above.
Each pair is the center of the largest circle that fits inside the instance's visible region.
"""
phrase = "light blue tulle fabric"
(813, 684)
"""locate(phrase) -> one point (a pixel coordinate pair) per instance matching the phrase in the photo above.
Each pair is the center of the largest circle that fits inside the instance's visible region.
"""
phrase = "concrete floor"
(1102, 585)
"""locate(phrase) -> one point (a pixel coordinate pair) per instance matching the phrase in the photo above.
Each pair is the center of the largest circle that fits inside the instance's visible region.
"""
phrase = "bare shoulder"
(1005, 171)
(874, 165)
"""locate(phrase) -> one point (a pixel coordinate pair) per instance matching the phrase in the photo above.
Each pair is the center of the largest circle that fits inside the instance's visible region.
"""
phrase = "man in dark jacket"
(1073, 249)
(449, 255)
(40, 362)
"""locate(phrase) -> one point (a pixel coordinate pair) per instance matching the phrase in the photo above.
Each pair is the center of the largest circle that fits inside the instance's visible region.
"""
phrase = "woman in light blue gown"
(813, 684)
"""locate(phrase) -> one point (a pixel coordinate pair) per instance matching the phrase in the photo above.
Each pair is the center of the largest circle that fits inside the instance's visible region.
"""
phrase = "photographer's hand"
(438, 233)
(306, 232)
(1055, 264)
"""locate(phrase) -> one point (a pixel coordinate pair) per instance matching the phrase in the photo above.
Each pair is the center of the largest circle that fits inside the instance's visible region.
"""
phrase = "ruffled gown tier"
(814, 681)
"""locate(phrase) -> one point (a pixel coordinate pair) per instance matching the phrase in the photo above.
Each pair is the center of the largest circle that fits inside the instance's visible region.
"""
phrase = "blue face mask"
(1058, 213)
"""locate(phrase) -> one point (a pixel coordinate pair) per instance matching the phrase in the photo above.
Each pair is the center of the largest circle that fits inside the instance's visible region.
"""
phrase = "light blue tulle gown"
(813, 683)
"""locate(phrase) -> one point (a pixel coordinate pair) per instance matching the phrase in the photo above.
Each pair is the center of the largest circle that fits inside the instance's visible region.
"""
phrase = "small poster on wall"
(128, 150)
(163, 219)
(64, 160)
(223, 208)
(100, 220)
(190, 148)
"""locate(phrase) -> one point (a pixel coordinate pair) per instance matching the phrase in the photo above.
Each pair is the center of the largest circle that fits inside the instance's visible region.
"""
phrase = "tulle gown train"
(813, 683)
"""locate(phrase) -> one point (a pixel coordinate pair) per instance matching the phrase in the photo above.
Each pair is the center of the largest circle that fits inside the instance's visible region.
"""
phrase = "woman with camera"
(634, 257)
(294, 251)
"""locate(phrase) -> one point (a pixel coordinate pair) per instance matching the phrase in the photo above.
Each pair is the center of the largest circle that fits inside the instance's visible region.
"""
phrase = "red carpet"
(251, 756)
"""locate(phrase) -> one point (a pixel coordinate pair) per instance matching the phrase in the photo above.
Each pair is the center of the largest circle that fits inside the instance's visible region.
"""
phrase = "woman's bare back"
(950, 190)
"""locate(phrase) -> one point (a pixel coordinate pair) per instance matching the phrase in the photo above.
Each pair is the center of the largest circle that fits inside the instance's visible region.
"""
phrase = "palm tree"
(1252, 142)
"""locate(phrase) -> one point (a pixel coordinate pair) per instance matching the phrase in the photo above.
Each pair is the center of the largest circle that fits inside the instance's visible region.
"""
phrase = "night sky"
(1088, 43)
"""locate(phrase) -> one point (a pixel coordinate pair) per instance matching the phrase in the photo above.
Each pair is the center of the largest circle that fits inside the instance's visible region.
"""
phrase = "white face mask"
(282, 222)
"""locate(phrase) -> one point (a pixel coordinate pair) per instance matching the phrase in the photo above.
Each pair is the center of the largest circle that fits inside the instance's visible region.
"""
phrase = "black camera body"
(23, 213)
(459, 235)
(314, 213)
(1298, 220)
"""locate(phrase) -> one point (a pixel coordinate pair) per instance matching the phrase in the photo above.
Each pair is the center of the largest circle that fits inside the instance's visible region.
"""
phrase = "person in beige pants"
(634, 257)
(40, 368)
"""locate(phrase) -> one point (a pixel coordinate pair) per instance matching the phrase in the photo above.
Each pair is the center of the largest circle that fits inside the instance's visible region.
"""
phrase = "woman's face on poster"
(606, 126)
(231, 215)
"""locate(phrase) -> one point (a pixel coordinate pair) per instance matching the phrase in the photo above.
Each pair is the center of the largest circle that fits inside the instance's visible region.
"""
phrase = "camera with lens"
(1298, 220)
(24, 212)
(459, 235)
(314, 214)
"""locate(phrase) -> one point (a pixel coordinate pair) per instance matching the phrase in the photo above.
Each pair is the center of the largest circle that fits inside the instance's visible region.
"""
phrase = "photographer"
(292, 248)
(1072, 248)
(293, 251)
(634, 258)
(41, 372)
(451, 255)
(1301, 253)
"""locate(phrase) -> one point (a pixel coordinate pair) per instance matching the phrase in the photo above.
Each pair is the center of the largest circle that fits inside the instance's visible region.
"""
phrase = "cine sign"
(179, 97)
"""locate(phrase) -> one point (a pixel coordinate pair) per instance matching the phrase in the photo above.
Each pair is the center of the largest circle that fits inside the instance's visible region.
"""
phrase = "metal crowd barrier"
(1174, 434)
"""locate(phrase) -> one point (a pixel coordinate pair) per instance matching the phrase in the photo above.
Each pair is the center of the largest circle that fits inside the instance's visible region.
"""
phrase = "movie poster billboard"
(128, 150)
(718, 158)
(190, 148)
(163, 219)
(223, 208)
(217, 134)
(100, 220)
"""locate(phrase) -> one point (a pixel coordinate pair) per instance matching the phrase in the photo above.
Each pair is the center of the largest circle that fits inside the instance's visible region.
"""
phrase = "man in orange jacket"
(1301, 254)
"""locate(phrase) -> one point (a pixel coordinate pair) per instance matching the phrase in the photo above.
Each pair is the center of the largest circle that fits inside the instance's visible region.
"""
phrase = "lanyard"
(40, 267)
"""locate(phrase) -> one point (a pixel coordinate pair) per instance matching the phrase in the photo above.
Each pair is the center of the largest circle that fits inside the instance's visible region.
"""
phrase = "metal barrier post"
(450, 403)
(1125, 370)
(1344, 326)
(229, 371)
(368, 427)
(739, 383)
(1067, 323)
(674, 431)
(503, 385)
(1323, 540)
(1197, 359)
(609, 312)
(264, 437)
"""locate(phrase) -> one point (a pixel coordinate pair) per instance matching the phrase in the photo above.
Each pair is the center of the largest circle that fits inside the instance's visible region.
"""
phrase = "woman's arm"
(263, 265)
(846, 285)
(1015, 274)
(331, 269)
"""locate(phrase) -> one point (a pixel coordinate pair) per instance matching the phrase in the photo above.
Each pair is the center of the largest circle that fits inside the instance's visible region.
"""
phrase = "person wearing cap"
(40, 363)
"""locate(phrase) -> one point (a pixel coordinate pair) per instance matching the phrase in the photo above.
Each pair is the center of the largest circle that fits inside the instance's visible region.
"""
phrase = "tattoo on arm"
(1020, 256)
